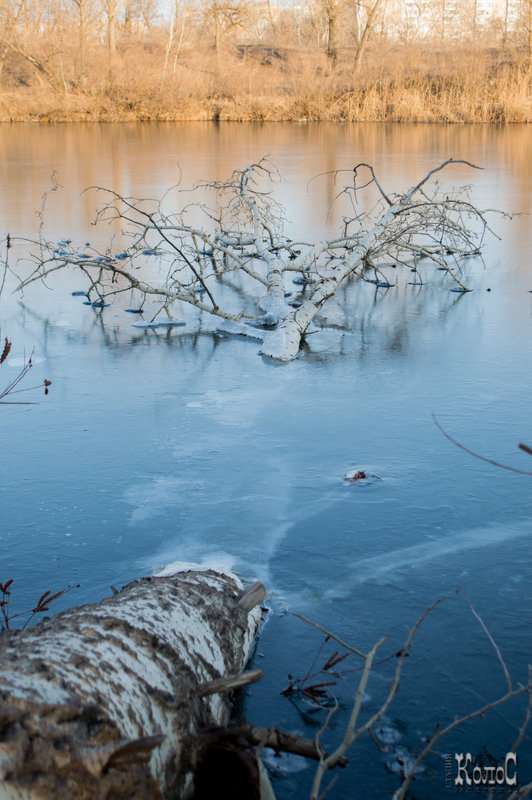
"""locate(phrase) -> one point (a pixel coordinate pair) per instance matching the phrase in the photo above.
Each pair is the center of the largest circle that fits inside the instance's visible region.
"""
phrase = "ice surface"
(170, 323)
(279, 764)
(433, 550)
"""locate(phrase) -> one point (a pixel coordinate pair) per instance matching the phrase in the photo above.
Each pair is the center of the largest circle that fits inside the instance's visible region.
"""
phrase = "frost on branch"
(234, 262)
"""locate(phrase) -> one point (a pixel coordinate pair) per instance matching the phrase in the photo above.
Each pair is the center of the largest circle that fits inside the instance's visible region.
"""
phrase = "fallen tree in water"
(236, 263)
(108, 700)
(131, 697)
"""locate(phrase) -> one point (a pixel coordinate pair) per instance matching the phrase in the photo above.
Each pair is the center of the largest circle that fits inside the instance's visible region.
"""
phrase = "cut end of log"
(252, 597)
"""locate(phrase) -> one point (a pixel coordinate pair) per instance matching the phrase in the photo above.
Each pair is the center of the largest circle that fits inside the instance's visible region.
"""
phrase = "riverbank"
(285, 84)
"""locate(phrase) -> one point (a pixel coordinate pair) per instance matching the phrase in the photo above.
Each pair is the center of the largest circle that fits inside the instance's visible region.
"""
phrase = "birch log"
(103, 701)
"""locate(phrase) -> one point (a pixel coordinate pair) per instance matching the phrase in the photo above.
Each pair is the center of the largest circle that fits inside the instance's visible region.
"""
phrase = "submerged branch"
(244, 236)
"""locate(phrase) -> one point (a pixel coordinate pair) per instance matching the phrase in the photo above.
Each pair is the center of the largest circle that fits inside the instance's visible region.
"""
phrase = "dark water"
(155, 447)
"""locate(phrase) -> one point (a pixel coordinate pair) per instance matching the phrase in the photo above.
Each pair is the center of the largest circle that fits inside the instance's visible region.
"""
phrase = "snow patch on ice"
(281, 764)
(240, 329)
(222, 563)
(402, 761)
(275, 306)
(386, 733)
(419, 554)
(334, 314)
(156, 496)
(274, 345)
(21, 362)
(170, 323)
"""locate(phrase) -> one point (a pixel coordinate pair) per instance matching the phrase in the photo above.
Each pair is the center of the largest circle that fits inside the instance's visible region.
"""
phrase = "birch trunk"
(106, 700)
(283, 343)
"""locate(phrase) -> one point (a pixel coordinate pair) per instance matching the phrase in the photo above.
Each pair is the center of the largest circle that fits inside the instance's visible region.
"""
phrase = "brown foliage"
(262, 81)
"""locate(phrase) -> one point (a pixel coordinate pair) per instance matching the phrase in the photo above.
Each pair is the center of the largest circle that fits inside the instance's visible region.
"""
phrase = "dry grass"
(408, 84)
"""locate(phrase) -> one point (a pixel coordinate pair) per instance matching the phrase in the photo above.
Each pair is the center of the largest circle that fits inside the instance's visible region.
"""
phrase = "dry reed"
(396, 84)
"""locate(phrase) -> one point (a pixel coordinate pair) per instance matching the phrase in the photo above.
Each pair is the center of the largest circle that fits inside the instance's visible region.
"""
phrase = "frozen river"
(160, 446)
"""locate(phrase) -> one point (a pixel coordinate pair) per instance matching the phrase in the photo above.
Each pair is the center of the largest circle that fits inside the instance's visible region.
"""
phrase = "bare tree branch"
(523, 447)
(244, 235)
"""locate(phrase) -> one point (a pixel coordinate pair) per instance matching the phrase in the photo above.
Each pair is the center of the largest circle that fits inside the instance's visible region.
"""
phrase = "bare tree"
(363, 32)
(146, 12)
(243, 237)
(226, 17)
(332, 11)
(82, 7)
(530, 34)
(21, 33)
(111, 12)
(505, 22)
(527, 20)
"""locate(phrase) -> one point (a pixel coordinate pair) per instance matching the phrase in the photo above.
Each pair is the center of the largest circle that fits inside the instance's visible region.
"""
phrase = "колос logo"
(464, 771)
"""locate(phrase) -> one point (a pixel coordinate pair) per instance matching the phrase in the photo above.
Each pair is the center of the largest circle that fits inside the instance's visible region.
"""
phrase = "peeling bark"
(102, 700)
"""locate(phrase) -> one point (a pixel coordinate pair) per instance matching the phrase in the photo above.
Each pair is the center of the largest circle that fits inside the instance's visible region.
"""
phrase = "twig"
(492, 641)
(331, 635)
(483, 458)
(352, 732)
(479, 712)
(528, 715)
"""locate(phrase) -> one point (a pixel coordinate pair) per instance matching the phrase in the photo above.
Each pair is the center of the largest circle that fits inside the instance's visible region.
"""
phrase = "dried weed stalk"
(42, 605)
(316, 692)
(11, 387)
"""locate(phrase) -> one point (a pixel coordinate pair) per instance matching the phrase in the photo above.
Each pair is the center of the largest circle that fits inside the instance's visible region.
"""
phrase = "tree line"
(152, 46)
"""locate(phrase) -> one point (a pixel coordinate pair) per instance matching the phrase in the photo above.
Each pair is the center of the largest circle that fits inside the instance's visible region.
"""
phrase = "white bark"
(283, 343)
(104, 700)
(391, 233)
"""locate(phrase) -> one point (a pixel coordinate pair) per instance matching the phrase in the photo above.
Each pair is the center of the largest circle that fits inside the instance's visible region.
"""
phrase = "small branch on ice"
(522, 446)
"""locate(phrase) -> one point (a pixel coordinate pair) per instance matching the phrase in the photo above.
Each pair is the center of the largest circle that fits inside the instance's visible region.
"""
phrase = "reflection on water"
(158, 446)
(145, 159)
